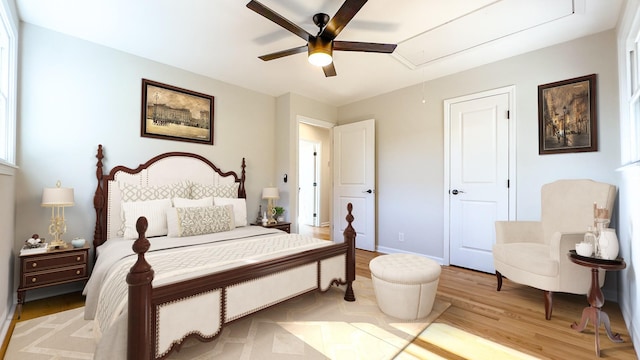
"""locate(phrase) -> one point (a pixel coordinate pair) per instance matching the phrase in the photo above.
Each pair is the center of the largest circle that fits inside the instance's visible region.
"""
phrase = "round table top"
(599, 263)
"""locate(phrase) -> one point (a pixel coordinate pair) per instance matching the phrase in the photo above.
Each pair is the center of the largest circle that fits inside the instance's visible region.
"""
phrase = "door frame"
(317, 191)
(296, 201)
(511, 91)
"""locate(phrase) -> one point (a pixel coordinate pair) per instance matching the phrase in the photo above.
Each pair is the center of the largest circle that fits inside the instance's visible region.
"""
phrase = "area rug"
(468, 346)
(312, 326)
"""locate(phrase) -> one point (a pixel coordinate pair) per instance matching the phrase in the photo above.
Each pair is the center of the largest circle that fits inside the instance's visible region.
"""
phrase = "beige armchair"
(534, 253)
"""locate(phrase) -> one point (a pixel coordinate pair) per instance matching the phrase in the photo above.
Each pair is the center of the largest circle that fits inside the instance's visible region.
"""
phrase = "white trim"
(296, 144)
(387, 250)
(511, 92)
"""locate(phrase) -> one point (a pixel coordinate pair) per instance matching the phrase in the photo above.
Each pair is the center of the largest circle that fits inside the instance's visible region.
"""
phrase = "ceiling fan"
(320, 47)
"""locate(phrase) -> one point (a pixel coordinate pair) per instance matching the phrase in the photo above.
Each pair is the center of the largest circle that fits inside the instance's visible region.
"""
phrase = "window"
(8, 93)
(630, 78)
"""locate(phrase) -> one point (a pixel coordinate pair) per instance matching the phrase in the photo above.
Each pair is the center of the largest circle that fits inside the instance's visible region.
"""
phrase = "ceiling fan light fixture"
(320, 52)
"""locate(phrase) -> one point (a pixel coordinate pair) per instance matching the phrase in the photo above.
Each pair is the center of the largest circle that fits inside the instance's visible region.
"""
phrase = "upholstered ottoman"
(405, 285)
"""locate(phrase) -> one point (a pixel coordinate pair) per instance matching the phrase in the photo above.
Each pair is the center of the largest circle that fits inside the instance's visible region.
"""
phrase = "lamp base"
(272, 221)
(58, 244)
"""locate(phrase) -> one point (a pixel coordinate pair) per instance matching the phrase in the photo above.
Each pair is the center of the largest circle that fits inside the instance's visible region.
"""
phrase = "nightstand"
(54, 267)
(284, 226)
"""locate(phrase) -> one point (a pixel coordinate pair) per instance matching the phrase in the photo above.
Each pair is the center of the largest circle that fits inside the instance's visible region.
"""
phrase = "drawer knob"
(34, 264)
(78, 258)
(77, 272)
(33, 280)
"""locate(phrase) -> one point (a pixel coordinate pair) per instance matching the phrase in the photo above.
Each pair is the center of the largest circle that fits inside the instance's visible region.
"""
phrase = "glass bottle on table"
(590, 238)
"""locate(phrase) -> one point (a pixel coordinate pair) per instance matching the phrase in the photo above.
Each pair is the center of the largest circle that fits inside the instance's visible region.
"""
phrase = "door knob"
(456, 191)
(368, 191)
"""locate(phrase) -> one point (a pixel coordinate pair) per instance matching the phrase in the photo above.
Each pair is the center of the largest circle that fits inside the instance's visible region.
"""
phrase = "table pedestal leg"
(593, 313)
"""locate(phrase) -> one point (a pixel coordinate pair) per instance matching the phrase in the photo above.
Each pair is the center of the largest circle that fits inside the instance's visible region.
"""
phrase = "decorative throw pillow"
(182, 202)
(131, 192)
(190, 221)
(199, 191)
(154, 210)
(239, 208)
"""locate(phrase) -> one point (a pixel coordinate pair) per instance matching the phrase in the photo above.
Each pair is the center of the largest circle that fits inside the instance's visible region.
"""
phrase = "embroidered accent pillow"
(190, 221)
(199, 191)
(131, 192)
(239, 208)
(154, 210)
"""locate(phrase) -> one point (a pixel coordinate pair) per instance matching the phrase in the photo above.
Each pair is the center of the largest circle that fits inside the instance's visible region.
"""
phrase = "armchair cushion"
(527, 257)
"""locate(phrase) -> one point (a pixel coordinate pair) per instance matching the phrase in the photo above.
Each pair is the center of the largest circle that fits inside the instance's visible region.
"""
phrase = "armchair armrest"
(518, 231)
(561, 243)
(572, 278)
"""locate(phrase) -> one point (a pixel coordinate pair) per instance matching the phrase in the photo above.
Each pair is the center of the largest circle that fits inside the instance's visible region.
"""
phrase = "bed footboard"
(143, 300)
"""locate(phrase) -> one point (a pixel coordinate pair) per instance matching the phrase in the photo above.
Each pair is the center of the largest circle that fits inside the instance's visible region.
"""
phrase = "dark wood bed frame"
(145, 299)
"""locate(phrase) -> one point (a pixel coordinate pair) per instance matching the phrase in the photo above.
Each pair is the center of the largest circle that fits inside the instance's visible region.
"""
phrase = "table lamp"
(57, 199)
(271, 194)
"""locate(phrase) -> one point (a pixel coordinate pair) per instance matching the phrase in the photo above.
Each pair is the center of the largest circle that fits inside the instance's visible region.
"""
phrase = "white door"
(354, 181)
(308, 181)
(478, 178)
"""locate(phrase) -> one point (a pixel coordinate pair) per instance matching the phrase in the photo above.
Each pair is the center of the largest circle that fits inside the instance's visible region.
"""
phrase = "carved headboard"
(164, 169)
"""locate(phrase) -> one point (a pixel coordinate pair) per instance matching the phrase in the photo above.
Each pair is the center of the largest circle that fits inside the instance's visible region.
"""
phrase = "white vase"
(608, 244)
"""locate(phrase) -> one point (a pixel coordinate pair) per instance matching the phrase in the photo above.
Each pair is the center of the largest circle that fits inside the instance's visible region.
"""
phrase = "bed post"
(98, 203)
(350, 239)
(139, 342)
(242, 193)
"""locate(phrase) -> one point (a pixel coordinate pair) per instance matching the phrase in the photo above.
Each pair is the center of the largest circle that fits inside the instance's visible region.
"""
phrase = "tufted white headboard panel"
(164, 169)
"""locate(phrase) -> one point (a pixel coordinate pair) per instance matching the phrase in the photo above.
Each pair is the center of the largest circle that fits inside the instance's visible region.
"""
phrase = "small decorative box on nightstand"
(54, 267)
(284, 226)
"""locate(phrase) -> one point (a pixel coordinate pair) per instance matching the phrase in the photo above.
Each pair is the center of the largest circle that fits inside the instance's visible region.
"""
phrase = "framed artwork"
(567, 116)
(172, 113)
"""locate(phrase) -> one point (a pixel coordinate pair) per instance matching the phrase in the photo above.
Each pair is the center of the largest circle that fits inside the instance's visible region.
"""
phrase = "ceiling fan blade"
(346, 12)
(283, 53)
(278, 19)
(363, 46)
(329, 70)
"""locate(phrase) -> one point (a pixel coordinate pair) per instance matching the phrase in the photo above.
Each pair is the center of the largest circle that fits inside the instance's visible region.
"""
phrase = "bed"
(152, 288)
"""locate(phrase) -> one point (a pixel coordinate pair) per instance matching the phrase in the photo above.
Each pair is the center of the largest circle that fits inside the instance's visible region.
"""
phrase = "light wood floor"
(513, 317)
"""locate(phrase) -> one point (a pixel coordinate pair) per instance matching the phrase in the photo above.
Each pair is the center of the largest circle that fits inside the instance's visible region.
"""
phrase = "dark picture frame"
(567, 116)
(173, 113)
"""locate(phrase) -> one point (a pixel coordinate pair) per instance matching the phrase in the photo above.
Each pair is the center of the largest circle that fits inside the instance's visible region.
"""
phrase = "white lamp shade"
(270, 193)
(58, 196)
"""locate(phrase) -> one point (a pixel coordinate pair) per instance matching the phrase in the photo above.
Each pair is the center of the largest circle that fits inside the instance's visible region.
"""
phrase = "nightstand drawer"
(62, 275)
(53, 261)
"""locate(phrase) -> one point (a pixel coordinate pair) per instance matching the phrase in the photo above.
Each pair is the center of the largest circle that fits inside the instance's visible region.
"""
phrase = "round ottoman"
(405, 285)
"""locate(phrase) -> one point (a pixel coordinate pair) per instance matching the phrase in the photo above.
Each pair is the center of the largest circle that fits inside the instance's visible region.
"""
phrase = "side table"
(596, 299)
(50, 268)
(284, 226)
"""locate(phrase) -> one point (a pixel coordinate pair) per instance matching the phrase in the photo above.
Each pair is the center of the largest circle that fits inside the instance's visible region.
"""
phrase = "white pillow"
(154, 210)
(189, 221)
(183, 202)
(239, 208)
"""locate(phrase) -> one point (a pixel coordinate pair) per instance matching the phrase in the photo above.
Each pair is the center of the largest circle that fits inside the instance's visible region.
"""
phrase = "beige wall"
(7, 244)
(75, 95)
(409, 138)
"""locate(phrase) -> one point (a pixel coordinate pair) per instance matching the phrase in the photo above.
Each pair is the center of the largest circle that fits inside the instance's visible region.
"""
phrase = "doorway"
(479, 174)
(314, 176)
(309, 158)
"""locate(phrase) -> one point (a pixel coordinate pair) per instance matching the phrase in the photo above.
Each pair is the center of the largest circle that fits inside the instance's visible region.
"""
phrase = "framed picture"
(567, 116)
(172, 113)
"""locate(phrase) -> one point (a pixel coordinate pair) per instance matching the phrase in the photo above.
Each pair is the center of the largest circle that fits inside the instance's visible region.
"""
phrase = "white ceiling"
(222, 39)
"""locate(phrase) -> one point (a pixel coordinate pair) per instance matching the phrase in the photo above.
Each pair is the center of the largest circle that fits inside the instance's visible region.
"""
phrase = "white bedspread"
(172, 261)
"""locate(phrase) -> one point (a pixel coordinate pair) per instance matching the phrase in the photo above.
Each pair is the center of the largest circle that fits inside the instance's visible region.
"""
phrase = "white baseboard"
(387, 250)
(7, 316)
(634, 327)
